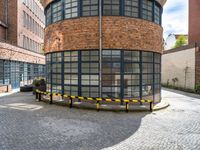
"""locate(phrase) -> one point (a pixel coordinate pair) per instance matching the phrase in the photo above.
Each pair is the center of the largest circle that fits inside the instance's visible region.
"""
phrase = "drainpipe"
(6, 17)
(100, 48)
(196, 51)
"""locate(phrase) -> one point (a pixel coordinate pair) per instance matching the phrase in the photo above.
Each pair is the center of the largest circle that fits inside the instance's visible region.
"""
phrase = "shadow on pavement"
(56, 127)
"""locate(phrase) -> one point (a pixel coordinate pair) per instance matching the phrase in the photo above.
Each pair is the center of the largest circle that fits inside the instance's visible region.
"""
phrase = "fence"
(97, 100)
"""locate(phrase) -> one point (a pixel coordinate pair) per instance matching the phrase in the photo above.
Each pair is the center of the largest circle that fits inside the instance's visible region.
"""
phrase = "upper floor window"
(65, 9)
(111, 7)
(147, 10)
(90, 8)
(157, 14)
(56, 11)
(71, 8)
(48, 15)
(131, 8)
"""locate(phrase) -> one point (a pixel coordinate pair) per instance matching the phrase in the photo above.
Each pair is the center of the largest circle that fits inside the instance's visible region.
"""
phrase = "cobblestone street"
(29, 125)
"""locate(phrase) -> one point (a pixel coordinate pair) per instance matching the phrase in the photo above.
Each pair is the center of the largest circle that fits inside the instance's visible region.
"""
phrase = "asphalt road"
(29, 125)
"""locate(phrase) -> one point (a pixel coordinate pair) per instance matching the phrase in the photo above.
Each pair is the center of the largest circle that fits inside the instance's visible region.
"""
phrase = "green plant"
(174, 80)
(197, 87)
(182, 40)
(36, 82)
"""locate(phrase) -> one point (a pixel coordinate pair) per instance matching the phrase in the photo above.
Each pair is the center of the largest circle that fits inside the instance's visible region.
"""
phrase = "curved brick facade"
(118, 33)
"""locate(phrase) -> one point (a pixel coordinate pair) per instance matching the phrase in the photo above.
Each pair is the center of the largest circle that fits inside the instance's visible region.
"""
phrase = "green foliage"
(182, 40)
(198, 87)
(174, 80)
(36, 82)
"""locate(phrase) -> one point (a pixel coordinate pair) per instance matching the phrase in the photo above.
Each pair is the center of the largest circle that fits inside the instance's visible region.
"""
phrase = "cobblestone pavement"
(29, 125)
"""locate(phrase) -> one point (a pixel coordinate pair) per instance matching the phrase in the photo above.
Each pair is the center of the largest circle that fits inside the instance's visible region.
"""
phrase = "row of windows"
(145, 9)
(125, 74)
(32, 45)
(19, 73)
(36, 10)
(32, 25)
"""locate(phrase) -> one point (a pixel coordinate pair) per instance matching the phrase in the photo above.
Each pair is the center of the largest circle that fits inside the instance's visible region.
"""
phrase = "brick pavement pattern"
(29, 125)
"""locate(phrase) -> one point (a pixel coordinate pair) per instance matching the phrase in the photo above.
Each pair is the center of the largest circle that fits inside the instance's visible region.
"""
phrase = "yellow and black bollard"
(40, 96)
(98, 105)
(70, 102)
(127, 107)
(36, 94)
(51, 99)
(151, 106)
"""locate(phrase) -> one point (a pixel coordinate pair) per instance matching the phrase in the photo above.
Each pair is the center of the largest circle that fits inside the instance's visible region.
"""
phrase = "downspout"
(195, 80)
(6, 17)
(100, 48)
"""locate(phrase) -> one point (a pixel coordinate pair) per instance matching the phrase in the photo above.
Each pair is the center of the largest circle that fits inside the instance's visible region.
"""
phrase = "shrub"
(198, 87)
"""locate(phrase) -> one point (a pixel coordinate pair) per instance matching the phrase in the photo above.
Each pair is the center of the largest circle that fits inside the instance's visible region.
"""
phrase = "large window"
(131, 74)
(71, 72)
(71, 8)
(48, 15)
(66, 9)
(18, 73)
(157, 14)
(1, 72)
(90, 7)
(157, 77)
(57, 11)
(147, 73)
(131, 8)
(111, 7)
(111, 73)
(90, 73)
(147, 9)
(125, 73)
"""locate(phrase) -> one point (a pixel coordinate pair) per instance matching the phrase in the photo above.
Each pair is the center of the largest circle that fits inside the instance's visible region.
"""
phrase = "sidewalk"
(9, 93)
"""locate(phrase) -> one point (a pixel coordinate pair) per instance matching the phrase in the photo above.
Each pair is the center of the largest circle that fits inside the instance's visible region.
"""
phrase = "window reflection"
(125, 73)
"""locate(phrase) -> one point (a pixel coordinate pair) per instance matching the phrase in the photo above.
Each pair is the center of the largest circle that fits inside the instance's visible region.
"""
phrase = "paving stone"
(29, 125)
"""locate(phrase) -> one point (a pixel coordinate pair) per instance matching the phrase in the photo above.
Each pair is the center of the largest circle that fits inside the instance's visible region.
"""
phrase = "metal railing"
(97, 100)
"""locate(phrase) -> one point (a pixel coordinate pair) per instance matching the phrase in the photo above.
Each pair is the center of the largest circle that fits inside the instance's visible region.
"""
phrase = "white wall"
(174, 65)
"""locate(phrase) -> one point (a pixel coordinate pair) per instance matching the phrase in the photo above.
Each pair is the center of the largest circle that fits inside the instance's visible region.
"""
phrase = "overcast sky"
(175, 17)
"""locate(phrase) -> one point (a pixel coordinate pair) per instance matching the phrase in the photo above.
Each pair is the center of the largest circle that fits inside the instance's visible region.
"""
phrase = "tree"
(182, 40)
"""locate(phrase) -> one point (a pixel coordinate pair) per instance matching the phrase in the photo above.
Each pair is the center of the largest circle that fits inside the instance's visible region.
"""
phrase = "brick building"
(114, 54)
(194, 21)
(21, 41)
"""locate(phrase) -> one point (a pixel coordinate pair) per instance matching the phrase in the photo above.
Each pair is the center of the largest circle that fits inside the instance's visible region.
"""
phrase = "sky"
(175, 17)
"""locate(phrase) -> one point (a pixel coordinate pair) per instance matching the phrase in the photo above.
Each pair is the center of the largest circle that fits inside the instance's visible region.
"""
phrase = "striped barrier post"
(80, 98)
(70, 102)
(151, 106)
(127, 107)
(51, 98)
(98, 105)
(40, 95)
(36, 94)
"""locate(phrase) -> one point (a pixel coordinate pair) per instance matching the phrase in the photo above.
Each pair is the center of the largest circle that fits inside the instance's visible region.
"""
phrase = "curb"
(10, 93)
(162, 105)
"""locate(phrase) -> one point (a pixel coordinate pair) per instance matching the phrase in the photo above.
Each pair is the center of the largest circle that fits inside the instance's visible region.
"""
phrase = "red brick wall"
(118, 33)
(10, 52)
(194, 21)
(5, 88)
(2, 18)
(12, 21)
(2, 33)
